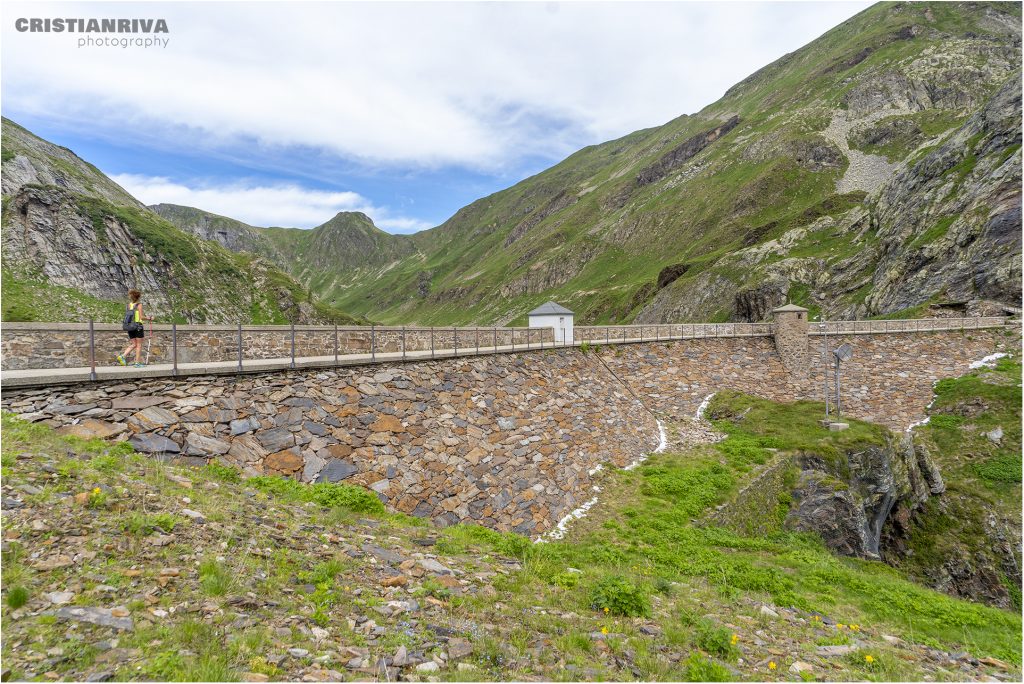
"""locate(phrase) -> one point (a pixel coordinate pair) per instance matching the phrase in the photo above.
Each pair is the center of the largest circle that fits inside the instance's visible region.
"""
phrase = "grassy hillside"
(224, 578)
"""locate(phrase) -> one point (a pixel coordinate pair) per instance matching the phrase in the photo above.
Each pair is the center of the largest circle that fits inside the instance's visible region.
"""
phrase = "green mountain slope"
(865, 174)
(74, 242)
(331, 258)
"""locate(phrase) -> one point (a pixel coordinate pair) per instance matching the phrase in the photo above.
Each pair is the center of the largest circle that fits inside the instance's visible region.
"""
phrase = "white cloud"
(480, 85)
(286, 205)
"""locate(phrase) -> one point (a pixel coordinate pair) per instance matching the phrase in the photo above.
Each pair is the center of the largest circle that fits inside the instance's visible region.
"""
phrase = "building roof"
(788, 307)
(548, 309)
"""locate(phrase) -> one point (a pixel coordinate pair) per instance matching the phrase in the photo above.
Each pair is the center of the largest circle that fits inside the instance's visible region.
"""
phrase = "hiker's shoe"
(139, 365)
(120, 360)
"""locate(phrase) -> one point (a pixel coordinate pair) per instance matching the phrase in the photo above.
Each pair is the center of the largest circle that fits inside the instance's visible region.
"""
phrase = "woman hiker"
(135, 335)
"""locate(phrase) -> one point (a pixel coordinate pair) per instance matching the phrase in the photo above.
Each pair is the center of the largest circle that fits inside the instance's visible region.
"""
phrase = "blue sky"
(285, 113)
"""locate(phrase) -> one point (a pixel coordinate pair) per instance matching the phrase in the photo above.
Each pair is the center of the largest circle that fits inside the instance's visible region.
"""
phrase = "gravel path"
(866, 171)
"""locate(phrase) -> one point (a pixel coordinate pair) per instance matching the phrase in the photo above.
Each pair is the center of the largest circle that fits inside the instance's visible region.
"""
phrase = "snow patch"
(919, 423)
(987, 362)
(703, 406)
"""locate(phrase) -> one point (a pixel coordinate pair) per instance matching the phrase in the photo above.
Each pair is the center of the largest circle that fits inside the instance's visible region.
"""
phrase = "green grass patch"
(327, 494)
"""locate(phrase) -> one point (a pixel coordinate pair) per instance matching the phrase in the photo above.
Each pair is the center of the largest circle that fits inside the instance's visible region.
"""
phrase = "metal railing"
(901, 325)
(657, 332)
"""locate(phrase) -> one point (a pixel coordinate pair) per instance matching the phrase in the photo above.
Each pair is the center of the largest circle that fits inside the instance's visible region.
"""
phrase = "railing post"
(403, 343)
(239, 347)
(373, 342)
(495, 339)
(641, 332)
(513, 331)
(431, 341)
(174, 348)
(293, 346)
(455, 339)
(92, 351)
(335, 344)
(478, 341)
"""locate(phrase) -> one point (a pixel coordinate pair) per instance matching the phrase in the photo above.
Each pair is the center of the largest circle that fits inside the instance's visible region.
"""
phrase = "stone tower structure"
(791, 340)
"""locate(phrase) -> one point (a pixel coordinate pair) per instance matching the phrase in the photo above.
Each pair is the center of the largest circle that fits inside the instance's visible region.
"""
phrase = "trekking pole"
(149, 345)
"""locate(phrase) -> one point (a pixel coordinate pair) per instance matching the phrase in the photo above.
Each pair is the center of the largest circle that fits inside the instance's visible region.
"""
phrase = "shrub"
(620, 597)
(144, 524)
(330, 494)
(566, 580)
(215, 578)
(946, 421)
(458, 538)
(17, 597)
(701, 669)
(715, 640)
(338, 495)
(223, 472)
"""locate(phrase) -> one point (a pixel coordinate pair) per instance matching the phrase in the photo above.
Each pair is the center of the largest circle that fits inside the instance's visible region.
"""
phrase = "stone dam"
(511, 440)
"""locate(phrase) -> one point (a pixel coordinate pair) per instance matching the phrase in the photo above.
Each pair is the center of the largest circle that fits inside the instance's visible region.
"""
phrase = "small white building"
(552, 315)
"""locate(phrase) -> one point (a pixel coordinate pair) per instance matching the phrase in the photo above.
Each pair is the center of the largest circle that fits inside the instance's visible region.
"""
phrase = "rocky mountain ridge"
(74, 242)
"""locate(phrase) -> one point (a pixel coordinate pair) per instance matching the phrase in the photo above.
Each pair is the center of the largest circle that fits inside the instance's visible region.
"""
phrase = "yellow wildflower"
(604, 630)
(854, 628)
(840, 625)
(606, 610)
(772, 665)
(869, 659)
(96, 490)
(735, 638)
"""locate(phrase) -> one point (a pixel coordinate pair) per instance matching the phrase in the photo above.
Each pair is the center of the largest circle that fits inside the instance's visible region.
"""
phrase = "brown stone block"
(387, 423)
(286, 461)
(335, 451)
(475, 455)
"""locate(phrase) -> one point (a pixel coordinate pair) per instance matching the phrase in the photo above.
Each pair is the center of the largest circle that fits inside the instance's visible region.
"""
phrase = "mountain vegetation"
(873, 172)
(74, 242)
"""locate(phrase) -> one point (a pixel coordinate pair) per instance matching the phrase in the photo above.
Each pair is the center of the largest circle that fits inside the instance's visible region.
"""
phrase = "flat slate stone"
(71, 409)
(383, 554)
(243, 425)
(275, 439)
(154, 444)
(136, 403)
(96, 616)
(156, 416)
(336, 470)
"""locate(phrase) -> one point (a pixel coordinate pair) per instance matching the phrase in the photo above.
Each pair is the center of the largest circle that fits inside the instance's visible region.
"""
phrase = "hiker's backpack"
(129, 324)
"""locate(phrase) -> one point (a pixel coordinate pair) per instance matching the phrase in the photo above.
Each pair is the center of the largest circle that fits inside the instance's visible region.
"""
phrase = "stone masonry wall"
(507, 441)
(889, 379)
(66, 345)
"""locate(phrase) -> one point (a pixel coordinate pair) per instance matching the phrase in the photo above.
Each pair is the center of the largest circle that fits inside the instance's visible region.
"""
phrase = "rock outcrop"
(848, 498)
(67, 226)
